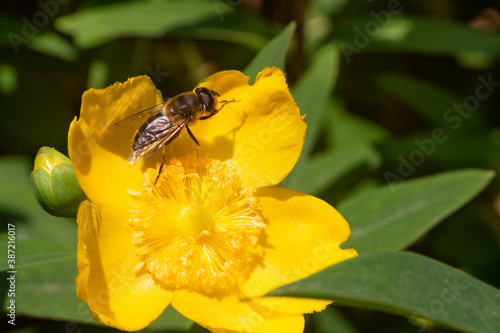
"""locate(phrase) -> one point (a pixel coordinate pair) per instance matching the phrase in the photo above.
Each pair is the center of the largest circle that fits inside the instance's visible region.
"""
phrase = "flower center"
(198, 227)
(194, 220)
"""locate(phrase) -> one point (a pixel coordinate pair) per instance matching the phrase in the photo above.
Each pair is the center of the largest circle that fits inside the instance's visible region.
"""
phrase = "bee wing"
(170, 133)
(144, 114)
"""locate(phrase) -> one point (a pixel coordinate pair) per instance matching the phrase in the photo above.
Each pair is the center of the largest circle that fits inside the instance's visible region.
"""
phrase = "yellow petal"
(302, 237)
(98, 155)
(231, 314)
(116, 294)
(263, 133)
(292, 305)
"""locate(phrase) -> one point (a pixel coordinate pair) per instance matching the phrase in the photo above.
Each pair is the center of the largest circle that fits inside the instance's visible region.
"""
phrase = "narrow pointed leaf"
(407, 284)
(411, 90)
(93, 26)
(411, 34)
(273, 54)
(329, 167)
(392, 217)
(312, 94)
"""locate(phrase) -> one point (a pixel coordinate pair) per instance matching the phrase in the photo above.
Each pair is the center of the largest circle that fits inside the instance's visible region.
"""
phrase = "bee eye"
(207, 98)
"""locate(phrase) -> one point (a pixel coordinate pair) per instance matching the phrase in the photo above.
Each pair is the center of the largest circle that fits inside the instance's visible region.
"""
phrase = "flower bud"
(54, 183)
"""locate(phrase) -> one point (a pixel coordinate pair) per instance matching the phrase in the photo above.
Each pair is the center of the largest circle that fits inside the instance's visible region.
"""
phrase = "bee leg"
(161, 166)
(192, 136)
(217, 110)
(227, 102)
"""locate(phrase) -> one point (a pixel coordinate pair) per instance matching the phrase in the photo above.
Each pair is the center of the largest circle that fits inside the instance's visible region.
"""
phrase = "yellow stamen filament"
(198, 227)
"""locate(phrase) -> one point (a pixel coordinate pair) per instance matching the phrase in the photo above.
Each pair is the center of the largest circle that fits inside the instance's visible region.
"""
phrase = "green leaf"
(331, 320)
(31, 252)
(386, 32)
(346, 128)
(327, 168)
(312, 93)
(54, 45)
(94, 26)
(438, 104)
(351, 138)
(198, 329)
(170, 320)
(411, 91)
(273, 54)
(392, 217)
(250, 39)
(46, 288)
(8, 79)
(407, 284)
(231, 25)
(98, 75)
(447, 148)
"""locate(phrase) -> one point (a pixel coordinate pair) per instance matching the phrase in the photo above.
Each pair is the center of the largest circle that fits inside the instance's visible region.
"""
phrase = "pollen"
(198, 227)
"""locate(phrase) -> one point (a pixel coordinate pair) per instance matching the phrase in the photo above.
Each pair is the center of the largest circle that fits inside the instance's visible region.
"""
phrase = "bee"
(164, 122)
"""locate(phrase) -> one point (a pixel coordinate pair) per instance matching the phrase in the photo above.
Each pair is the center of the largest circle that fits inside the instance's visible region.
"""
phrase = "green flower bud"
(54, 183)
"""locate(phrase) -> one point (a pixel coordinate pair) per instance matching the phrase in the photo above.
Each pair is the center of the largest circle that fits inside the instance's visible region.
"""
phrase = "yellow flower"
(214, 234)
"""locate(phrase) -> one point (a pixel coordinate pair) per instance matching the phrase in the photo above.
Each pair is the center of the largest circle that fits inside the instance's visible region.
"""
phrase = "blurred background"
(416, 92)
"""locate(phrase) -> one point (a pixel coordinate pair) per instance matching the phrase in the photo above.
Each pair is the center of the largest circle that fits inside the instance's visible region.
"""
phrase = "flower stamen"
(202, 227)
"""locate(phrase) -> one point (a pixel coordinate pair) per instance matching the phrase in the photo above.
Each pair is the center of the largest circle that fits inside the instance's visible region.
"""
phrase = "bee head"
(208, 98)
